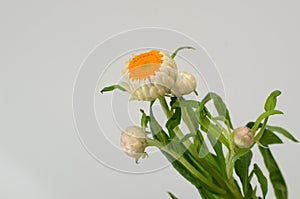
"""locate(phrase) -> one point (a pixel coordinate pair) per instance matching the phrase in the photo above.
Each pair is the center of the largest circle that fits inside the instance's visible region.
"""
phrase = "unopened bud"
(243, 137)
(185, 84)
(133, 141)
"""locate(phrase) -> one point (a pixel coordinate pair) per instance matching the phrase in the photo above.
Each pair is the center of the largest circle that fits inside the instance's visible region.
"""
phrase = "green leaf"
(220, 106)
(181, 48)
(268, 137)
(174, 102)
(172, 195)
(208, 127)
(157, 131)
(220, 158)
(283, 132)
(262, 117)
(272, 100)
(251, 124)
(159, 134)
(242, 170)
(187, 136)
(145, 119)
(275, 174)
(253, 195)
(261, 179)
(111, 88)
(175, 120)
(205, 194)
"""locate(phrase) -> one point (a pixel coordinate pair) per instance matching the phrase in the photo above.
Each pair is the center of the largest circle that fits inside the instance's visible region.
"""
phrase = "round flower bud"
(243, 137)
(185, 84)
(133, 141)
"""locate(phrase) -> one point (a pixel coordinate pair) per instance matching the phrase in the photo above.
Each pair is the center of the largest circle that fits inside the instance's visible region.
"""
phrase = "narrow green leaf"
(268, 137)
(174, 102)
(283, 132)
(159, 134)
(181, 48)
(208, 127)
(175, 120)
(253, 195)
(111, 88)
(207, 195)
(262, 117)
(275, 174)
(187, 136)
(220, 158)
(157, 131)
(261, 179)
(145, 119)
(220, 106)
(272, 100)
(172, 195)
(189, 115)
(242, 170)
(251, 124)
(199, 143)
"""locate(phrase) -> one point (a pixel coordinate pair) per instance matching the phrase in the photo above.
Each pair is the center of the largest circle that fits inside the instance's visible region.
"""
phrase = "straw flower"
(150, 75)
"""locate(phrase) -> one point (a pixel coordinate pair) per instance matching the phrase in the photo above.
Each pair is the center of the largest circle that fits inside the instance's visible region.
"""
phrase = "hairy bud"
(133, 141)
(243, 137)
(185, 84)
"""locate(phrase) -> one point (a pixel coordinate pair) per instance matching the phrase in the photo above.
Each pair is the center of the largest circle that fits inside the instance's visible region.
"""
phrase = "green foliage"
(261, 179)
(219, 105)
(282, 131)
(198, 118)
(111, 88)
(275, 174)
(211, 172)
(172, 195)
(242, 170)
(145, 119)
(173, 122)
(269, 137)
(181, 48)
(272, 100)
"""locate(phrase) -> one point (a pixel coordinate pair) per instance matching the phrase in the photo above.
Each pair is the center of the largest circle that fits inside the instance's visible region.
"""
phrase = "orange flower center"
(144, 65)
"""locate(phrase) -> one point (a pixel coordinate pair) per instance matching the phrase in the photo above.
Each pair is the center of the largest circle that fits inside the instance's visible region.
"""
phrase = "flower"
(243, 137)
(133, 141)
(185, 84)
(150, 75)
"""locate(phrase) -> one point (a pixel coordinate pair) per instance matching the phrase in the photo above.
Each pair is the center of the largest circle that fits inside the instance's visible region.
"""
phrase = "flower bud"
(133, 141)
(243, 137)
(185, 84)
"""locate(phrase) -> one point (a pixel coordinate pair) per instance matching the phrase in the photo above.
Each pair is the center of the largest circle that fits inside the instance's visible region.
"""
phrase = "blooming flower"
(243, 137)
(150, 75)
(133, 141)
(185, 84)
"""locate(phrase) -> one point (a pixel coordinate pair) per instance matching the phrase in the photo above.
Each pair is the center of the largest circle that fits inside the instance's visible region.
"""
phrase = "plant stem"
(165, 107)
(187, 165)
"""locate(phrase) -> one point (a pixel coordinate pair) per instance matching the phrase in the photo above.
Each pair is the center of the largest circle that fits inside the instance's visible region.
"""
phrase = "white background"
(255, 45)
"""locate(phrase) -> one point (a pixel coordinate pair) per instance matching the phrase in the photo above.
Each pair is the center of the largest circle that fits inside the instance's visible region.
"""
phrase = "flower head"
(150, 75)
(133, 141)
(243, 137)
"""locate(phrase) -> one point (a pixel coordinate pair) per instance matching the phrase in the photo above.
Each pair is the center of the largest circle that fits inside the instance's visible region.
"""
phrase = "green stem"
(187, 165)
(165, 107)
